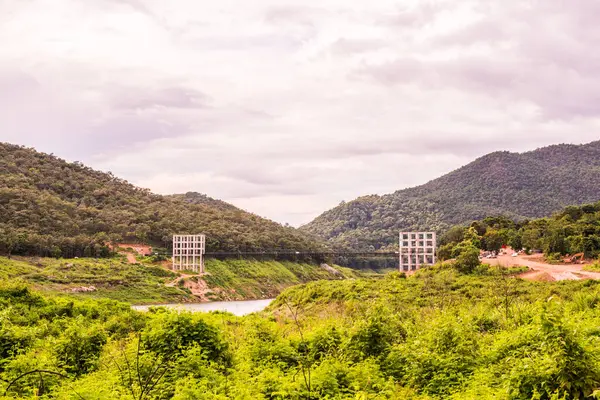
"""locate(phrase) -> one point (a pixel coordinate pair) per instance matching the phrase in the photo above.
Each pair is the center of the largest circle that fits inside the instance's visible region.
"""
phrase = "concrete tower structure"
(188, 253)
(417, 249)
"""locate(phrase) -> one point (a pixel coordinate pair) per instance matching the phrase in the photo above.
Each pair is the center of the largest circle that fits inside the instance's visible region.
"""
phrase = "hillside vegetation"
(50, 207)
(244, 279)
(436, 335)
(147, 283)
(111, 278)
(519, 186)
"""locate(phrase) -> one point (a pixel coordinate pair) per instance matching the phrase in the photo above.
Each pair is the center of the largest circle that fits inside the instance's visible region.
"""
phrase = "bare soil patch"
(537, 276)
(542, 271)
(141, 249)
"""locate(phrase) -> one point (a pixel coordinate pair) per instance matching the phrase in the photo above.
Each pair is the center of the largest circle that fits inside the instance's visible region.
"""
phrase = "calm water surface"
(235, 307)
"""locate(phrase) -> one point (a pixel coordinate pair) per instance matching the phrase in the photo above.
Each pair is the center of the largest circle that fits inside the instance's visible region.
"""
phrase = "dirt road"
(542, 271)
(131, 249)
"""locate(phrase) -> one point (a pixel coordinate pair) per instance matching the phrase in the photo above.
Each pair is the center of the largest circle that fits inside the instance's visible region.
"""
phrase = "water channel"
(238, 308)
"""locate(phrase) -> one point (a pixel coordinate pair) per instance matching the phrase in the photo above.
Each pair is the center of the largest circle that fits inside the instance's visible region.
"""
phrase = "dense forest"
(441, 334)
(574, 230)
(50, 207)
(519, 186)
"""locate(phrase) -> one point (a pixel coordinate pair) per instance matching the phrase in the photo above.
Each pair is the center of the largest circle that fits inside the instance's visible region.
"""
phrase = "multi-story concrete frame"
(188, 253)
(416, 250)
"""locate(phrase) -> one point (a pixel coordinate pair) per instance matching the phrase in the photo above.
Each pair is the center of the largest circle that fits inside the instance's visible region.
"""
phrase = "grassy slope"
(113, 278)
(242, 279)
(145, 283)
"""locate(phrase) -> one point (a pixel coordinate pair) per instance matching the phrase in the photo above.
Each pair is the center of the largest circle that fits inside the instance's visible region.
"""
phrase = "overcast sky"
(287, 107)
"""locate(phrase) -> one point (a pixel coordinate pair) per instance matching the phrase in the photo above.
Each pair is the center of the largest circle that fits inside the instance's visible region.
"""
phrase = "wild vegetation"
(148, 283)
(249, 279)
(438, 334)
(574, 230)
(104, 278)
(49, 207)
(518, 186)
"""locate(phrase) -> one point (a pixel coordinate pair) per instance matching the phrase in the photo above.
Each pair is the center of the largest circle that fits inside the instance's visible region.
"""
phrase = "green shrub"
(169, 334)
(468, 258)
(78, 349)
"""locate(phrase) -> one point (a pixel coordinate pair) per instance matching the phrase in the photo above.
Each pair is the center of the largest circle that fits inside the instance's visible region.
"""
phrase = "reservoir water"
(238, 308)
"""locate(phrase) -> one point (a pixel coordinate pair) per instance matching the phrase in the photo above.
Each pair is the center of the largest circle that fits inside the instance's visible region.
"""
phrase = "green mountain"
(519, 186)
(52, 207)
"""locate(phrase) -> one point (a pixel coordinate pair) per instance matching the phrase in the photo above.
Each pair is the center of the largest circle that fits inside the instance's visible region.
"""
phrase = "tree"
(55, 252)
(454, 235)
(445, 252)
(468, 258)
(8, 239)
(555, 238)
(531, 238)
(515, 240)
(471, 236)
(492, 241)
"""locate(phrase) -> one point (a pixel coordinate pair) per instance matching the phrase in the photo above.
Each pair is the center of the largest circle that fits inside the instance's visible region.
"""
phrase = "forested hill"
(532, 184)
(199, 198)
(51, 207)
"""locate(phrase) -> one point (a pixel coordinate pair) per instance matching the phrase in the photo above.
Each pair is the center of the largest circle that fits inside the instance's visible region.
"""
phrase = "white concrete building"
(188, 253)
(417, 249)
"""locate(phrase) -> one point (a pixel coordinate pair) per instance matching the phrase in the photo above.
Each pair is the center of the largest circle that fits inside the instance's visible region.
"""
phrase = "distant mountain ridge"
(52, 207)
(518, 185)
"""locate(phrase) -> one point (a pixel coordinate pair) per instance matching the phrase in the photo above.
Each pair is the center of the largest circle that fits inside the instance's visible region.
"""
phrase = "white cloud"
(285, 108)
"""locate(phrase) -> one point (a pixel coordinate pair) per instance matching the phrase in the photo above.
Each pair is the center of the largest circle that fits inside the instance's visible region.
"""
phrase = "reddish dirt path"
(542, 271)
(140, 249)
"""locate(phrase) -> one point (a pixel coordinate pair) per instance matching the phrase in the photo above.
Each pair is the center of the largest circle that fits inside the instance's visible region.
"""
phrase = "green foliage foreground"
(439, 334)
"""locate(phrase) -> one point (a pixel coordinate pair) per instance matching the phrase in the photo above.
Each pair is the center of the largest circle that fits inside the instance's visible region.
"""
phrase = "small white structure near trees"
(188, 253)
(416, 250)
